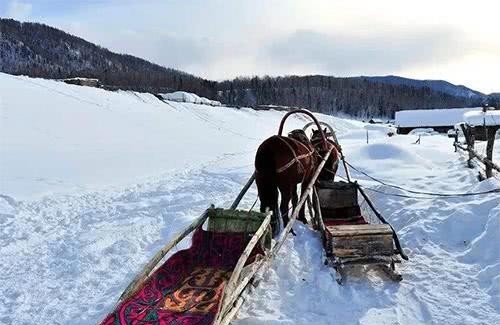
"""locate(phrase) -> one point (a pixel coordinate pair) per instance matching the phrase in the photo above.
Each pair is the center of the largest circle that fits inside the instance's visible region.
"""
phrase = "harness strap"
(293, 161)
(295, 157)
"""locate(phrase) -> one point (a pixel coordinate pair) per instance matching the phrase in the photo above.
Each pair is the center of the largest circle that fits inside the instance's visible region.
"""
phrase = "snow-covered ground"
(92, 183)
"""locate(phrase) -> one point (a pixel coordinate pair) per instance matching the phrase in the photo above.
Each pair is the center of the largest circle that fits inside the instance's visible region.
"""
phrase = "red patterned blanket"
(188, 288)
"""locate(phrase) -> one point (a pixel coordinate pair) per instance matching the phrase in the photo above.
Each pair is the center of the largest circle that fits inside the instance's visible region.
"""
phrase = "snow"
(423, 131)
(431, 117)
(480, 118)
(185, 97)
(94, 182)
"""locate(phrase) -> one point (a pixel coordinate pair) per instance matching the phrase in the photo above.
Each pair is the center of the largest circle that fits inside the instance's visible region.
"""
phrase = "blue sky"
(217, 39)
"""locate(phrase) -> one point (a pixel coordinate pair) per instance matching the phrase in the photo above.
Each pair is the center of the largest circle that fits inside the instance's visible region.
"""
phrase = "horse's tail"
(265, 177)
(267, 184)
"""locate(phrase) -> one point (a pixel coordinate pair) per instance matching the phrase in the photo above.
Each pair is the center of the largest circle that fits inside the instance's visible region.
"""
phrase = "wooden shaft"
(312, 215)
(321, 224)
(382, 219)
(303, 198)
(235, 275)
(243, 192)
(238, 291)
(347, 173)
(139, 280)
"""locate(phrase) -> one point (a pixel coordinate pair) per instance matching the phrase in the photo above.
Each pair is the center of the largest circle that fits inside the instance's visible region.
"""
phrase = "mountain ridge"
(38, 50)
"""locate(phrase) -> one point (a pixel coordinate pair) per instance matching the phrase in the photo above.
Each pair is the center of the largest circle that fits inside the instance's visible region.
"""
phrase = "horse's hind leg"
(268, 196)
(295, 201)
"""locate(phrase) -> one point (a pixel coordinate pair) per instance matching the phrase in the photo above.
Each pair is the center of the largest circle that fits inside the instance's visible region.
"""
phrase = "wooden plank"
(359, 230)
(142, 277)
(363, 246)
(227, 220)
(334, 195)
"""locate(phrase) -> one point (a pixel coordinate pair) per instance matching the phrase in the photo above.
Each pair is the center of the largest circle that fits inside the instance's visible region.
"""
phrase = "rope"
(497, 190)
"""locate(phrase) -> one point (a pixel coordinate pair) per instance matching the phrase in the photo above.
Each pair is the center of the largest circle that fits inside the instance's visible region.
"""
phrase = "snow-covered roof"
(432, 117)
(488, 118)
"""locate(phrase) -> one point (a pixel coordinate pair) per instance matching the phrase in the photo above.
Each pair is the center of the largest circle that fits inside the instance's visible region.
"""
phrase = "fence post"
(490, 136)
(469, 138)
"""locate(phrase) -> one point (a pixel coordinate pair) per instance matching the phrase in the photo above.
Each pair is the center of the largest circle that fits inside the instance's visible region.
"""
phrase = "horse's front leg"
(303, 189)
(295, 201)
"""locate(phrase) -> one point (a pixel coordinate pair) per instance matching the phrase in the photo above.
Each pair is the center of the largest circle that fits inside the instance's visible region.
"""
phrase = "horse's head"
(331, 165)
(300, 136)
(316, 135)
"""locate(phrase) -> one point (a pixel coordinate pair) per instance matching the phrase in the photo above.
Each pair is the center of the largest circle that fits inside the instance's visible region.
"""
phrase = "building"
(441, 120)
(89, 82)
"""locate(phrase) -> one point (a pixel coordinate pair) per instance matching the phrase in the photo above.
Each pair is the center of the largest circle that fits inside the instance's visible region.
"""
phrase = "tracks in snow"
(85, 249)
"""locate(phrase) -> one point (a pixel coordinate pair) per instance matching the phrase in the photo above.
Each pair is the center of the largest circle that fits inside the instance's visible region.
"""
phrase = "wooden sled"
(354, 232)
(244, 237)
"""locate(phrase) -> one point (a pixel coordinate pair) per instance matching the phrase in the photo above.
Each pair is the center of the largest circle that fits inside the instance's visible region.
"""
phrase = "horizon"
(329, 39)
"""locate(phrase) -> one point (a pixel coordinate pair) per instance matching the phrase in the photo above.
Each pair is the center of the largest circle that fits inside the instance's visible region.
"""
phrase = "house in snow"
(89, 82)
(441, 120)
(482, 121)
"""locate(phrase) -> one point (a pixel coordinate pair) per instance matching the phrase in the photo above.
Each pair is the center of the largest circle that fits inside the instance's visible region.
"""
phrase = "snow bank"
(431, 117)
(181, 96)
(381, 151)
(185, 97)
(479, 118)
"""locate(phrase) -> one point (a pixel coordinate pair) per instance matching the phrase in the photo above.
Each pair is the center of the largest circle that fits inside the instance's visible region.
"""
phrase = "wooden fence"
(471, 148)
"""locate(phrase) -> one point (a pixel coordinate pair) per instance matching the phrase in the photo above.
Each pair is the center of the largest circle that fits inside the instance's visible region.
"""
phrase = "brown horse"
(330, 169)
(280, 164)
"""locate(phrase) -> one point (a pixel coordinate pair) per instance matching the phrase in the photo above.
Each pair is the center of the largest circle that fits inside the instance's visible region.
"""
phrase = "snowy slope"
(92, 183)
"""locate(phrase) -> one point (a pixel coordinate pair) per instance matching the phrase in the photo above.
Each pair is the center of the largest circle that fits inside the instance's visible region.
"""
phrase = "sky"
(458, 41)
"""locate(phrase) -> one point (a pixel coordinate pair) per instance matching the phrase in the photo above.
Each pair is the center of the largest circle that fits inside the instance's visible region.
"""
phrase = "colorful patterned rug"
(188, 288)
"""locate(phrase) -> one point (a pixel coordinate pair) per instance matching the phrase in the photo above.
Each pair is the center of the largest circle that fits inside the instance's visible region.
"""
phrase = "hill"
(438, 85)
(38, 50)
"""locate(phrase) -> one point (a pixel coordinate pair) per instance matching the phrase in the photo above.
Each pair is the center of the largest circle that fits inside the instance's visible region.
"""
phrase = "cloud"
(219, 39)
(348, 53)
(19, 10)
